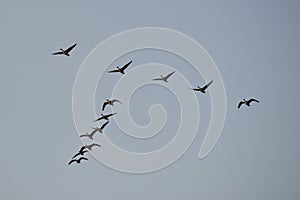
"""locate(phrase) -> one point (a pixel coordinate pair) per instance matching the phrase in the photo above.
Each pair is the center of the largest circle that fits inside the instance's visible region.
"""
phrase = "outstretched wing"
(98, 119)
(112, 71)
(115, 100)
(157, 79)
(94, 144)
(207, 85)
(94, 131)
(109, 115)
(195, 89)
(250, 100)
(104, 104)
(240, 104)
(102, 127)
(77, 154)
(82, 158)
(70, 48)
(126, 65)
(82, 148)
(84, 135)
(169, 75)
(57, 53)
(71, 161)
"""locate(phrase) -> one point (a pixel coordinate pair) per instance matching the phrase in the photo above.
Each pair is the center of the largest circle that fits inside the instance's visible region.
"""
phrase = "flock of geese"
(79, 156)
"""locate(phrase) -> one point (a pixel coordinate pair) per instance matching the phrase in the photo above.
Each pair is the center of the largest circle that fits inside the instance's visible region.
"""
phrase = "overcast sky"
(255, 45)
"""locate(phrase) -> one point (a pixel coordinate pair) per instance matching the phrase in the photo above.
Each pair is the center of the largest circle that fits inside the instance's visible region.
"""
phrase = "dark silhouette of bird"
(65, 52)
(104, 117)
(164, 78)
(82, 151)
(121, 70)
(90, 146)
(77, 160)
(247, 102)
(110, 102)
(203, 88)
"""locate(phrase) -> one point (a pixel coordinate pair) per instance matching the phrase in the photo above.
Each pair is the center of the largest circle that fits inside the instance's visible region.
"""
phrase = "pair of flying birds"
(81, 153)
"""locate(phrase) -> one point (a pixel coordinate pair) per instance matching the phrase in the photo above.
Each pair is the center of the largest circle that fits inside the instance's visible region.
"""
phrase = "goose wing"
(240, 104)
(109, 115)
(70, 48)
(94, 131)
(157, 79)
(104, 104)
(207, 85)
(77, 154)
(82, 148)
(126, 65)
(115, 100)
(57, 53)
(84, 135)
(71, 161)
(195, 89)
(95, 145)
(250, 100)
(169, 75)
(113, 71)
(98, 119)
(82, 158)
(102, 127)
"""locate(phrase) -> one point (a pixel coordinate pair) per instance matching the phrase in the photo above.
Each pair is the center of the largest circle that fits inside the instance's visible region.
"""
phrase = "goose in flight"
(162, 78)
(90, 146)
(121, 70)
(247, 102)
(203, 88)
(77, 160)
(99, 129)
(90, 136)
(82, 151)
(110, 102)
(65, 52)
(104, 117)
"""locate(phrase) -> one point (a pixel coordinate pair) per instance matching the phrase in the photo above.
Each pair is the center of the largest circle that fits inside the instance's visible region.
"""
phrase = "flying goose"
(90, 136)
(77, 160)
(104, 117)
(162, 78)
(80, 152)
(90, 146)
(247, 102)
(65, 52)
(99, 129)
(203, 88)
(121, 70)
(110, 102)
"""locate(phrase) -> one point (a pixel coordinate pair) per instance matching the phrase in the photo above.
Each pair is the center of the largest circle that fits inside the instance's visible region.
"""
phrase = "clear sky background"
(255, 44)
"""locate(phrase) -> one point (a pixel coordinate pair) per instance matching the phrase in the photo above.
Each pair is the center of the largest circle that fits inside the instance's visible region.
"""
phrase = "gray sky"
(255, 45)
